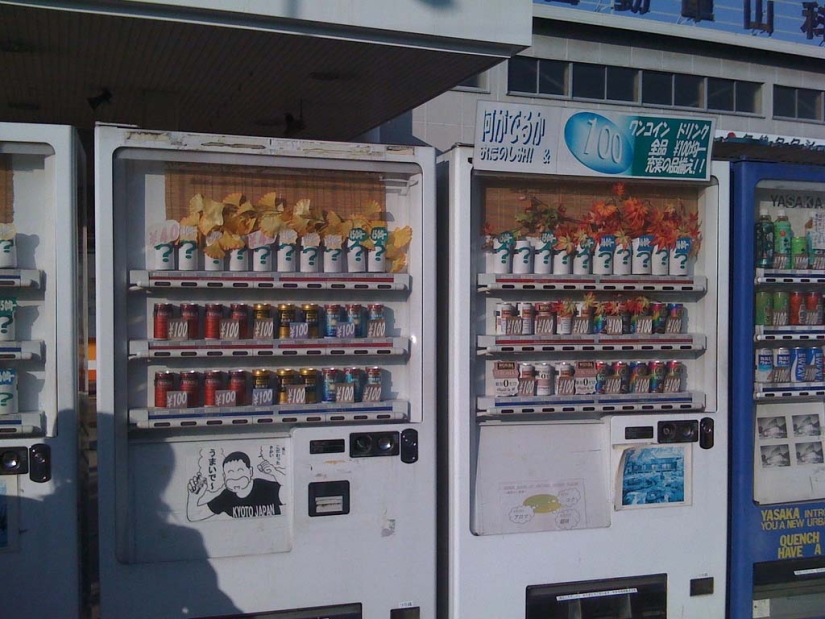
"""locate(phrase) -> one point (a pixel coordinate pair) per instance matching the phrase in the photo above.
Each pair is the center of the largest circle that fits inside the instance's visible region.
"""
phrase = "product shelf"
(21, 350)
(20, 278)
(333, 347)
(489, 344)
(789, 276)
(488, 282)
(283, 414)
(22, 424)
(245, 280)
(766, 392)
(788, 333)
(559, 406)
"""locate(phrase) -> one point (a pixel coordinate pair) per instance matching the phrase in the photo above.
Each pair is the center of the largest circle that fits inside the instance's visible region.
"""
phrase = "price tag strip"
(293, 414)
(788, 391)
(488, 344)
(22, 424)
(21, 350)
(593, 406)
(316, 347)
(788, 333)
(20, 278)
(599, 283)
(272, 280)
(789, 276)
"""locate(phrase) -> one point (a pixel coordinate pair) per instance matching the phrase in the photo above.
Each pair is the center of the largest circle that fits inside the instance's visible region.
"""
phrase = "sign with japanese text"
(546, 140)
(791, 21)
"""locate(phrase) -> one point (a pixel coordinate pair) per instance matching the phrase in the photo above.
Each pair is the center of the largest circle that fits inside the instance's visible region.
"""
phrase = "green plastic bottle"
(782, 240)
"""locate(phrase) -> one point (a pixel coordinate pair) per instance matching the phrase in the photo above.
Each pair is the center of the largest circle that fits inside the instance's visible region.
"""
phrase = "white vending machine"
(266, 395)
(42, 180)
(586, 434)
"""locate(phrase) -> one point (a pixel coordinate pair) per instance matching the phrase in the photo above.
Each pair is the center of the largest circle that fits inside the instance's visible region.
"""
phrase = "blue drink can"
(332, 316)
(328, 385)
(354, 315)
(799, 362)
(816, 364)
(356, 376)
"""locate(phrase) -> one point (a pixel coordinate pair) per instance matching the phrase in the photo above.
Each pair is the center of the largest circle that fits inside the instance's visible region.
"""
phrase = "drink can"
(286, 377)
(815, 365)
(355, 316)
(764, 365)
(212, 321)
(527, 313)
(162, 315)
(504, 313)
(237, 383)
(799, 361)
(191, 314)
(764, 308)
(675, 318)
(799, 252)
(603, 372)
(261, 379)
(639, 377)
(212, 383)
(813, 307)
(376, 311)
(796, 308)
(287, 314)
(526, 370)
(312, 383)
(782, 365)
(356, 377)
(659, 313)
(627, 318)
(622, 370)
(781, 308)
(332, 316)
(566, 370)
(164, 383)
(599, 322)
(544, 379)
(190, 384)
(658, 374)
(240, 312)
(262, 311)
(312, 316)
(374, 376)
(330, 380)
(676, 375)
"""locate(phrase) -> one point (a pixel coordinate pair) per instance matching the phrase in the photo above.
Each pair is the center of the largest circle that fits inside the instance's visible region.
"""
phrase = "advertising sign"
(546, 140)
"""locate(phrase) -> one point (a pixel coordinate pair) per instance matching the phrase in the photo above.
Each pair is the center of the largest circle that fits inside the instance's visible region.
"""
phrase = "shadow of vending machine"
(587, 363)
(266, 394)
(42, 185)
(778, 502)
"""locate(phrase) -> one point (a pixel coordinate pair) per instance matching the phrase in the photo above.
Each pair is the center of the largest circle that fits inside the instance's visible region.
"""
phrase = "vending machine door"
(266, 414)
(778, 390)
(42, 180)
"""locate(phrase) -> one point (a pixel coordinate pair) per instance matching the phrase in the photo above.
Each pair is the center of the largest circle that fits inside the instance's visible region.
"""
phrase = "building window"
(688, 90)
(553, 77)
(657, 88)
(475, 83)
(522, 75)
(622, 84)
(800, 103)
(588, 81)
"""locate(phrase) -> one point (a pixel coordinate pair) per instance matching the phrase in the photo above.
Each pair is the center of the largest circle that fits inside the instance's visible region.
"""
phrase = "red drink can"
(162, 315)
(191, 314)
(240, 312)
(813, 307)
(190, 384)
(237, 383)
(164, 383)
(797, 308)
(212, 382)
(212, 321)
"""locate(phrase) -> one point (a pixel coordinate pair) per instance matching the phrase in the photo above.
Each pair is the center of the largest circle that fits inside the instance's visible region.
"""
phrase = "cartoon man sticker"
(242, 496)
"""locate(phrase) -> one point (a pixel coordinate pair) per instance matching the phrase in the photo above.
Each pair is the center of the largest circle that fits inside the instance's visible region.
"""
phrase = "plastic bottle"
(782, 239)
(764, 240)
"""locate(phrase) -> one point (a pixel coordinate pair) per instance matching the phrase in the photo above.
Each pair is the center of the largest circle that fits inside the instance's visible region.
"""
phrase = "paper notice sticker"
(287, 237)
(163, 233)
(7, 232)
(333, 241)
(188, 233)
(258, 239)
(313, 239)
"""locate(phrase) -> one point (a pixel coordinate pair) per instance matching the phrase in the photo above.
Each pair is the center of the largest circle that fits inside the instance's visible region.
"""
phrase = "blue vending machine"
(777, 424)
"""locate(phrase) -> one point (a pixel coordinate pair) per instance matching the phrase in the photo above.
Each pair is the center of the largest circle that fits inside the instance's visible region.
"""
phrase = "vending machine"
(587, 426)
(266, 393)
(42, 180)
(778, 390)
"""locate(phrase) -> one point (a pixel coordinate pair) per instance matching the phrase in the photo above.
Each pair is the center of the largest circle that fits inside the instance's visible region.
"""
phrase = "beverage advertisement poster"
(654, 476)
